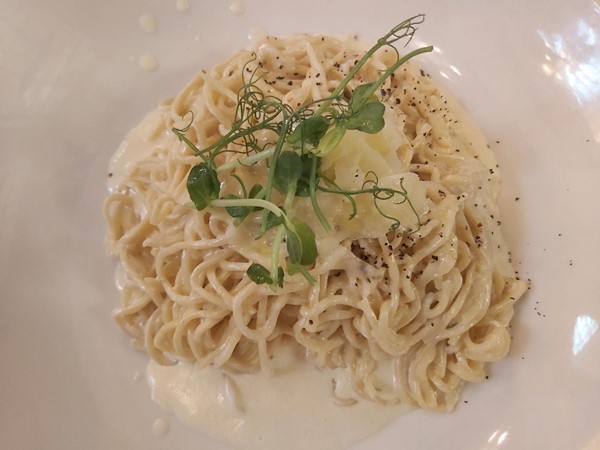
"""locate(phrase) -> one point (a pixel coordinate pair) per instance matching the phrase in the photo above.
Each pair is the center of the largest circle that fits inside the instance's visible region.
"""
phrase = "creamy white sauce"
(160, 427)
(293, 409)
(139, 143)
(147, 22)
(148, 62)
(257, 34)
(183, 5)
(137, 376)
(237, 8)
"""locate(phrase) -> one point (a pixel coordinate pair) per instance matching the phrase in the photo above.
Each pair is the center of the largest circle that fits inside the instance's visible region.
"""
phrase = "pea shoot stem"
(312, 185)
(395, 66)
(250, 202)
(388, 39)
(247, 160)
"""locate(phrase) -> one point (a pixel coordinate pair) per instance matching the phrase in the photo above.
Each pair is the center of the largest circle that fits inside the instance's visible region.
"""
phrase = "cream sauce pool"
(293, 409)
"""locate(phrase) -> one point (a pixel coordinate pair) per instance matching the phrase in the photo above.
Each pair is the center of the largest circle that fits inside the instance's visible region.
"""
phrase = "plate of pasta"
(250, 226)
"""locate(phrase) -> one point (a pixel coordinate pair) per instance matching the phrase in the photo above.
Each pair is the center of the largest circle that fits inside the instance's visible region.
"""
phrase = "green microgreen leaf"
(369, 118)
(239, 212)
(273, 220)
(255, 191)
(331, 140)
(307, 240)
(288, 171)
(203, 185)
(361, 96)
(294, 247)
(303, 187)
(309, 131)
(280, 276)
(259, 274)
(301, 244)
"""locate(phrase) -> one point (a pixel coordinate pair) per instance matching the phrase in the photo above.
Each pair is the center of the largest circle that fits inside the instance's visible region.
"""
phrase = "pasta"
(411, 311)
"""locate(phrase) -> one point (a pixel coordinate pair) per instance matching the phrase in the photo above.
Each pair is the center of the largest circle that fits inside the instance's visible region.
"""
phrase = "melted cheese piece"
(361, 159)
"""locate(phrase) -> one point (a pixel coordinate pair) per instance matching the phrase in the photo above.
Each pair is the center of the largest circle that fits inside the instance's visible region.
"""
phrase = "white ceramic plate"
(71, 87)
